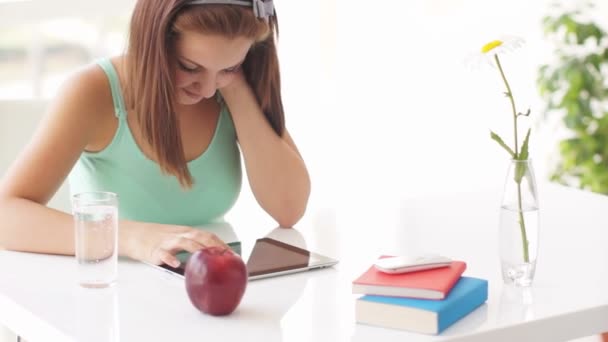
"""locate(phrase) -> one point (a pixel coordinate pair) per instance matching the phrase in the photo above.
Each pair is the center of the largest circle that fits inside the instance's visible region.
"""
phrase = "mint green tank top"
(144, 193)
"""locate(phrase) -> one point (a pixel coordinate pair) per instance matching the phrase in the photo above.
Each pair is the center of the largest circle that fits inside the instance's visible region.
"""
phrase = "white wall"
(381, 105)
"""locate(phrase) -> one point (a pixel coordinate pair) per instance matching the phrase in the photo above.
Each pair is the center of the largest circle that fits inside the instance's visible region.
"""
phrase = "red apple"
(216, 279)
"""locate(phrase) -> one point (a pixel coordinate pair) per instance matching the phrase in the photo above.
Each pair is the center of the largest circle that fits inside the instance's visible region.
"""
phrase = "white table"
(40, 301)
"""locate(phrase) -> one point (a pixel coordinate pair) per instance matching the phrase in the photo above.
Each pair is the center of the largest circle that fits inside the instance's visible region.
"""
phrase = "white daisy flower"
(495, 47)
(506, 44)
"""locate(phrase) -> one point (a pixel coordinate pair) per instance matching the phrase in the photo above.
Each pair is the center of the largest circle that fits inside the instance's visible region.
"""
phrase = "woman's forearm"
(277, 174)
(28, 226)
(279, 180)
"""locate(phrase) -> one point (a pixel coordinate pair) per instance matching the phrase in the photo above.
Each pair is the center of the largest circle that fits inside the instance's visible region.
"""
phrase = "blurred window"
(42, 42)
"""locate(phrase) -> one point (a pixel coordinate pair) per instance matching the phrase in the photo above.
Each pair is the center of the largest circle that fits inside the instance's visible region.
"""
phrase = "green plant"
(574, 87)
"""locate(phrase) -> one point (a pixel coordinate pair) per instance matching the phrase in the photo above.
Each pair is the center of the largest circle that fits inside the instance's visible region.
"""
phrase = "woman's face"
(205, 63)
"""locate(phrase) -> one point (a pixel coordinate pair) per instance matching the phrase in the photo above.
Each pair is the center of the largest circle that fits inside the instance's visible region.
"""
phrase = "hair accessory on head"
(261, 9)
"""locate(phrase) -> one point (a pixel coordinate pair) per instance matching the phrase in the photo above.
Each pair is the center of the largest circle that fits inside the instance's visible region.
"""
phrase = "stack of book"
(426, 301)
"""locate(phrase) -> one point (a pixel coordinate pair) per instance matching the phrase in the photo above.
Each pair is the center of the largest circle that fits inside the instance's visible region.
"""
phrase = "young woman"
(163, 126)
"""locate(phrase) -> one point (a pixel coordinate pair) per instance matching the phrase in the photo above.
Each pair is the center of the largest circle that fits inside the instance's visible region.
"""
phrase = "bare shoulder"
(88, 91)
(85, 100)
(75, 118)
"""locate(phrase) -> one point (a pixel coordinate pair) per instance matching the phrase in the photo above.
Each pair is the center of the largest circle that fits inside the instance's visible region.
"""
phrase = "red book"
(428, 284)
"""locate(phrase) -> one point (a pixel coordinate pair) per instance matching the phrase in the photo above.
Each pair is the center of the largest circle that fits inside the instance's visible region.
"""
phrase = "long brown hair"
(155, 24)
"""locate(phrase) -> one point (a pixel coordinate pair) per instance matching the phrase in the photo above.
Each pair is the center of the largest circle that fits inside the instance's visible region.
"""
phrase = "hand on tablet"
(158, 243)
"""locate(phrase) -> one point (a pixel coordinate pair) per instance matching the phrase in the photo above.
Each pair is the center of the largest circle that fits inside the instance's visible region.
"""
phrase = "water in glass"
(96, 244)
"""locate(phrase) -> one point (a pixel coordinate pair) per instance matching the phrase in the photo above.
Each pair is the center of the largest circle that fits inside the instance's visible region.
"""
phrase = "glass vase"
(519, 224)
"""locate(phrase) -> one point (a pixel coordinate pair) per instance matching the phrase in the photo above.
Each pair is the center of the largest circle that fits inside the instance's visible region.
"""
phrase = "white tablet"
(268, 258)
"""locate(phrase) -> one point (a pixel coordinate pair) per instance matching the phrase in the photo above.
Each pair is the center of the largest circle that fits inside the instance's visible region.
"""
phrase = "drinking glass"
(96, 238)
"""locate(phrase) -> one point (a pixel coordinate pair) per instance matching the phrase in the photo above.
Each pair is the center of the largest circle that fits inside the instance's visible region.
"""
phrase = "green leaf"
(586, 31)
(527, 113)
(521, 168)
(523, 154)
(520, 171)
(594, 60)
(548, 23)
(500, 142)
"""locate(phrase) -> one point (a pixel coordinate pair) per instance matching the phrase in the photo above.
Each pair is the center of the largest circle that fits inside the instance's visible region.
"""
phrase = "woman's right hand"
(158, 243)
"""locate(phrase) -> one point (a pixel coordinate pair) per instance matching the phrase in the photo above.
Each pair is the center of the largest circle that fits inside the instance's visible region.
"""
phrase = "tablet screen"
(272, 256)
(268, 256)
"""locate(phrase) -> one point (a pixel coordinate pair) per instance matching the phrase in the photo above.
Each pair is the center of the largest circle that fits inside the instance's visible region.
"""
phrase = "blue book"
(423, 315)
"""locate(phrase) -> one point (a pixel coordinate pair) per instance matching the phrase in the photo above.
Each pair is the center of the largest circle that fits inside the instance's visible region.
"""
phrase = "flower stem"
(522, 224)
(510, 96)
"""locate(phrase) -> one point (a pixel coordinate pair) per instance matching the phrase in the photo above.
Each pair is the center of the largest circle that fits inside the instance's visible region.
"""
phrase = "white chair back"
(18, 120)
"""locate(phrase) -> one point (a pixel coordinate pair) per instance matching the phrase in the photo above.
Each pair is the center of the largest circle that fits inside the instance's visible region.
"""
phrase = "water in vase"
(518, 264)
